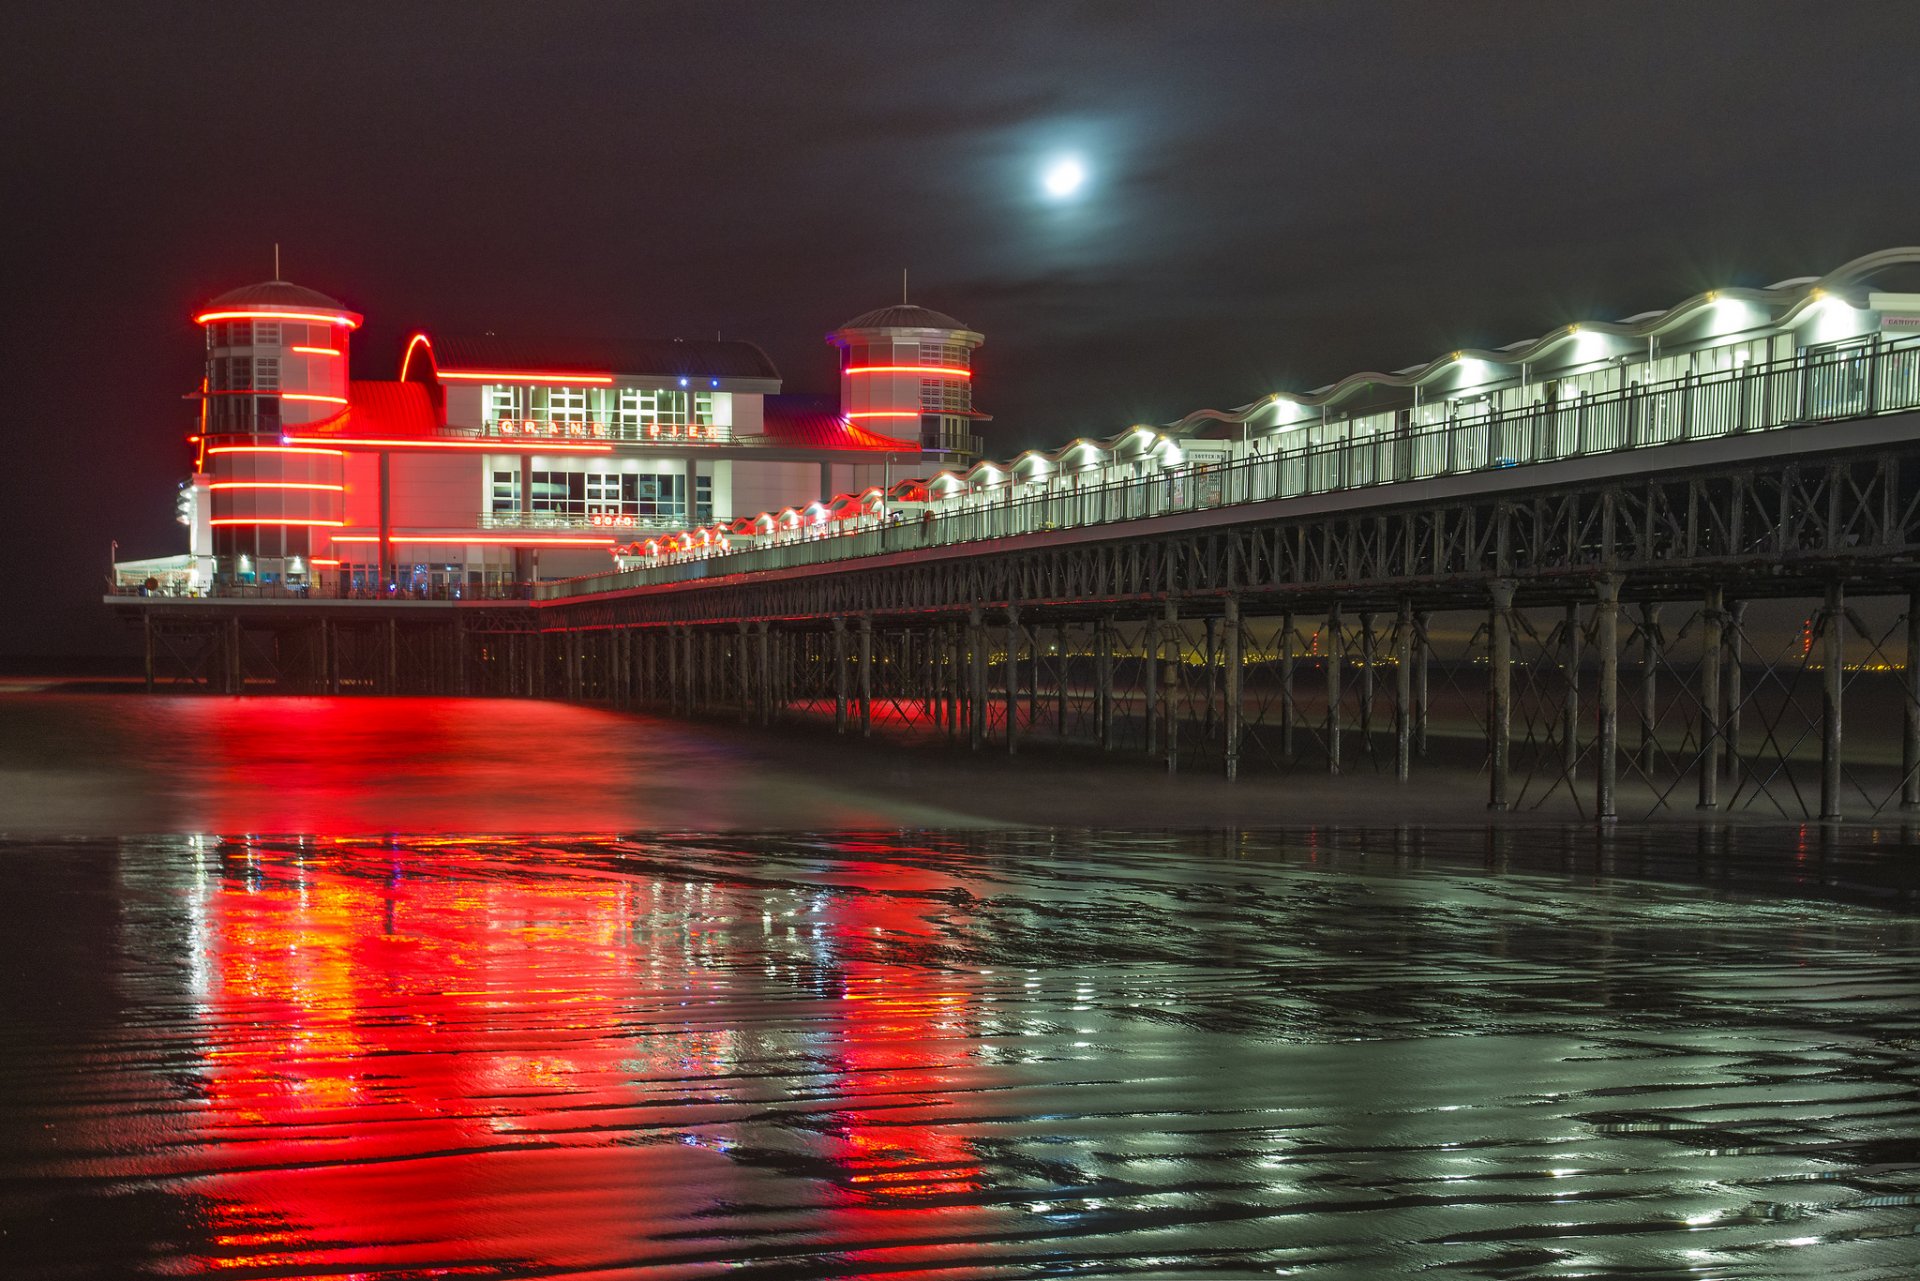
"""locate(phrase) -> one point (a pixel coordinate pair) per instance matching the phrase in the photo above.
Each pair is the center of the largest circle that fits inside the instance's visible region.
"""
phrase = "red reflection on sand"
(408, 1070)
(435, 1056)
(906, 1029)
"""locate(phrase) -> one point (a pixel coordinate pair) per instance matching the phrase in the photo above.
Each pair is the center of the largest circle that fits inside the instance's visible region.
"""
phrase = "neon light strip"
(302, 395)
(273, 520)
(497, 446)
(273, 449)
(909, 369)
(273, 484)
(465, 540)
(207, 317)
(886, 413)
(406, 361)
(317, 560)
(524, 376)
(317, 351)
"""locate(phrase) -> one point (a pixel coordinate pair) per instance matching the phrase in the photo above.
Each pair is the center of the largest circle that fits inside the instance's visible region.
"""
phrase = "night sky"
(1277, 195)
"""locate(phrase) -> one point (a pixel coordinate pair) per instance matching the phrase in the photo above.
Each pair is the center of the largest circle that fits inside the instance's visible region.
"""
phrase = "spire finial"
(903, 286)
(276, 260)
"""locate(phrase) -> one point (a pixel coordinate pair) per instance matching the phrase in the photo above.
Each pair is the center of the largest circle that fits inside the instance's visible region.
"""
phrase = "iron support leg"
(1150, 687)
(839, 675)
(1606, 637)
(1422, 656)
(1231, 686)
(1910, 680)
(1570, 707)
(1366, 681)
(1103, 680)
(1499, 692)
(977, 686)
(1333, 691)
(1713, 620)
(1649, 686)
(1170, 685)
(1288, 712)
(1736, 641)
(866, 676)
(1403, 693)
(1832, 654)
(1013, 680)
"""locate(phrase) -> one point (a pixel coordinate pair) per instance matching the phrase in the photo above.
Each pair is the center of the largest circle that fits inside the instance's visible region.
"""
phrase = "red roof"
(387, 410)
(815, 422)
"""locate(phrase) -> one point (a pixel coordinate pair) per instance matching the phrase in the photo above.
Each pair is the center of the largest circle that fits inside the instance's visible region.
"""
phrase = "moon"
(1063, 177)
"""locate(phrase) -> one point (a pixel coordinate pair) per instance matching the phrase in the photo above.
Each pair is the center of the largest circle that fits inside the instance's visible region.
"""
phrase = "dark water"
(903, 1051)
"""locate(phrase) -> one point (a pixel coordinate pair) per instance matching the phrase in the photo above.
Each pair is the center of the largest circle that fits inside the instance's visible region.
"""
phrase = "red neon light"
(942, 370)
(207, 317)
(272, 484)
(546, 447)
(406, 361)
(465, 539)
(302, 395)
(886, 413)
(524, 376)
(273, 449)
(316, 560)
(274, 520)
(318, 351)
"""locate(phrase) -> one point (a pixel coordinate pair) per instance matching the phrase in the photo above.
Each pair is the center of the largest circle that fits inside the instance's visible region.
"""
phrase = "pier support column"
(1833, 674)
(1170, 685)
(1606, 638)
(1060, 694)
(839, 674)
(330, 646)
(1499, 693)
(459, 655)
(1736, 639)
(1013, 680)
(393, 651)
(1712, 640)
(1910, 683)
(673, 671)
(1334, 645)
(1648, 711)
(1366, 680)
(1103, 681)
(763, 650)
(1570, 695)
(1150, 685)
(1289, 713)
(743, 664)
(1403, 692)
(976, 680)
(1422, 687)
(1230, 685)
(866, 675)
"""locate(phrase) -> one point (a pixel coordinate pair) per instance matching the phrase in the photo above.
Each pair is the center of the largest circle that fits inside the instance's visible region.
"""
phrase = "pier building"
(490, 463)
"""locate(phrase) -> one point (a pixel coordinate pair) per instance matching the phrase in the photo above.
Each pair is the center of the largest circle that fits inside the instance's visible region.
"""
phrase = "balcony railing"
(612, 522)
(576, 431)
(334, 590)
(1859, 382)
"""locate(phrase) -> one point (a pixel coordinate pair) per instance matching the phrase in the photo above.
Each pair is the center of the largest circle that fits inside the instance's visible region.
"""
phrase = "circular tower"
(907, 371)
(276, 365)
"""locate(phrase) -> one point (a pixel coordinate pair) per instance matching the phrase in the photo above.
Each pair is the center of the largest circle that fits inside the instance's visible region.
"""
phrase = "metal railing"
(1858, 382)
(536, 430)
(334, 590)
(599, 521)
